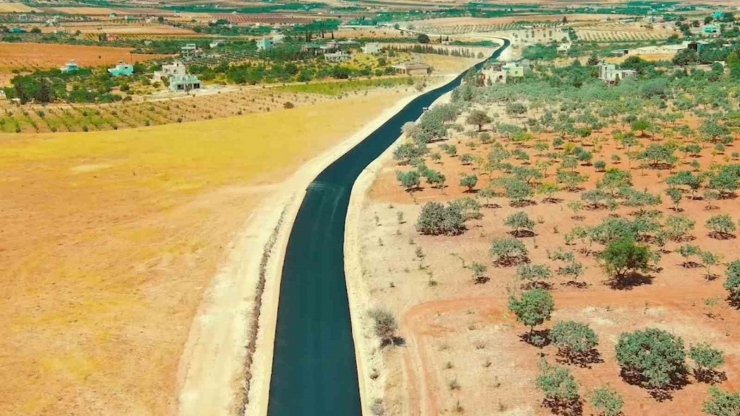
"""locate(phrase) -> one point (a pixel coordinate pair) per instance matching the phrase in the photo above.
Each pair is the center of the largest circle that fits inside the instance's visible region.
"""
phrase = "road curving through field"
(314, 371)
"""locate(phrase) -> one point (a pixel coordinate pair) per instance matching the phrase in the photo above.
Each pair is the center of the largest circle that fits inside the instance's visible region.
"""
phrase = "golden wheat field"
(109, 240)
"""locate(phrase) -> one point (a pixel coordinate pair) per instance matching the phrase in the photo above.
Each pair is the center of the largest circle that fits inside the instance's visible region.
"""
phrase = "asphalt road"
(314, 370)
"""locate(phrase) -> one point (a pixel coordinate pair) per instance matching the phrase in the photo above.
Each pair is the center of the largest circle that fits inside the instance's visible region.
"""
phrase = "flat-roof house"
(564, 48)
(514, 70)
(175, 68)
(179, 83)
(70, 66)
(311, 47)
(121, 69)
(264, 44)
(340, 56)
(609, 73)
(710, 30)
(412, 68)
(371, 47)
(278, 38)
(189, 49)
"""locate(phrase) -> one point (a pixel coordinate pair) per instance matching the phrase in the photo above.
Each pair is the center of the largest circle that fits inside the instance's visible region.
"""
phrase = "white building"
(177, 68)
(610, 74)
(564, 48)
(372, 47)
(340, 56)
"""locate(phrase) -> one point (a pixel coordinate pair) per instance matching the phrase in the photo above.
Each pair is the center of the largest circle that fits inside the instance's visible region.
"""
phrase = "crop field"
(464, 29)
(130, 28)
(83, 117)
(29, 56)
(109, 240)
(15, 8)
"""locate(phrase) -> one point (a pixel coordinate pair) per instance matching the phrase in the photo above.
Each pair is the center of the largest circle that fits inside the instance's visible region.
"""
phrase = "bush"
(469, 181)
(722, 403)
(288, 105)
(557, 383)
(721, 225)
(506, 251)
(533, 272)
(436, 219)
(732, 284)
(410, 180)
(678, 226)
(653, 356)
(385, 325)
(707, 359)
(573, 339)
(518, 221)
(607, 401)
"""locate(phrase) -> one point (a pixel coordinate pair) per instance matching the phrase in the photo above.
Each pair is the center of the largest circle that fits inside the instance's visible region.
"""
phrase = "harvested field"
(464, 350)
(16, 8)
(134, 29)
(31, 56)
(110, 239)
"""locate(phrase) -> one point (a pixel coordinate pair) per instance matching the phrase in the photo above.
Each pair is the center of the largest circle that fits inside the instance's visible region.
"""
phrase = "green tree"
(533, 273)
(558, 385)
(533, 308)
(479, 271)
(606, 400)
(677, 226)
(653, 356)
(548, 189)
(478, 118)
(469, 181)
(641, 125)
(436, 219)
(623, 255)
(507, 251)
(410, 180)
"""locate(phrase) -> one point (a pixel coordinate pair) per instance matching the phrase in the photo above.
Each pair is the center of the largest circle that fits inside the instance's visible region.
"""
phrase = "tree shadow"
(690, 265)
(580, 359)
(523, 203)
(492, 205)
(471, 191)
(522, 233)
(686, 238)
(678, 381)
(709, 376)
(575, 284)
(718, 235)
(733, 301)
(552, 200)
(395, 341)
(481, 280)
(629, 281)
(564, 407)
(539, 338)
(538, 284)
(509, 261)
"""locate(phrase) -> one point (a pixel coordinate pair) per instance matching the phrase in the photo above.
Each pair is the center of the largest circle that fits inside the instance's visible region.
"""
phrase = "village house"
(189, 50)
(121, 69)
(264, 44)
(311, 47)
(278, 39)
(499, 74)
(187, 82)
(216, 43)
(711, 30)
(175, 68)
(371, 47)
(564, 48)
(339, 56)
(70, 66)
(611, 75)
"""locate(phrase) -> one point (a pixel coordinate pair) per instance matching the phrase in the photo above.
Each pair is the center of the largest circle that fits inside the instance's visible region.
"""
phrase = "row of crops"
(617, 36)
(463, 29)
(81, 118)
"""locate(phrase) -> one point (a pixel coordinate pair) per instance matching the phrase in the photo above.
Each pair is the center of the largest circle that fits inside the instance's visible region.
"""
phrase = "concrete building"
(189, 49)
(611, 75)
(121, 69)
(371, 47)
(311, 47)
(710, 30)
(412, 68)
(174, 69)
(500, 74)
(184, 83)
(264, 44)
(216, 43)
(340, 56)
(278, 39)
(564, 48)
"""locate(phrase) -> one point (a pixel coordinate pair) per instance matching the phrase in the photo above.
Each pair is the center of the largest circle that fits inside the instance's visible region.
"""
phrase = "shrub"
(721, 225)
(518, 221)
(606, 400)
(410, 180)
(557, 383)
(288, 105)
(677, 226)
(732, 284)
(436, 219)
(707, 359)
(722, 403)
(533, 308)
(385, 325)
(506, 251)
(533, 272)
(573, 339)
(469, 181)
(654, 356)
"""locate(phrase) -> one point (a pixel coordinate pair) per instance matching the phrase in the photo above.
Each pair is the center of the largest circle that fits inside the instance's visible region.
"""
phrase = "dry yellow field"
(109, 240)
(16, 8)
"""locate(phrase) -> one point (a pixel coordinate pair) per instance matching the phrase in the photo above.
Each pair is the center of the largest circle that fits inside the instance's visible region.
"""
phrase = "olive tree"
(478, 118)
(574, 340)
(732, 284)
(409, 180)
(533, 308)
(436, 219)
(519, 221)
(469, 181)
(507, 251)
(558, 385)
(721, 226)
(385, 325)
(677, 226)
(533, 273)
(653, 357)
(624, 255)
